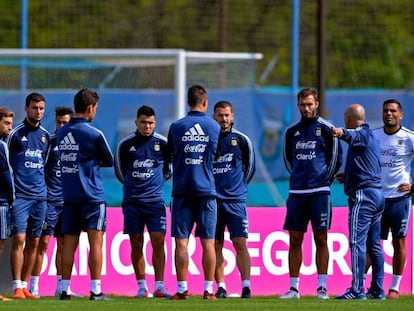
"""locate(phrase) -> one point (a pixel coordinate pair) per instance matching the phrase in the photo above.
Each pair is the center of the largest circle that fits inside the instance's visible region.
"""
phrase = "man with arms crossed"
(141, 164)
(6, 181)
(53, 220)
(83, 150)
(29, 147)
(192, 145)
(397, 151)
(233, 169)
(312, 157)
(362, 185)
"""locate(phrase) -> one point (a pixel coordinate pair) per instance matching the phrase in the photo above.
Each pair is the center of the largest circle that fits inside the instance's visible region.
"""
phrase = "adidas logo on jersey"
(68, 143)
(195, 133)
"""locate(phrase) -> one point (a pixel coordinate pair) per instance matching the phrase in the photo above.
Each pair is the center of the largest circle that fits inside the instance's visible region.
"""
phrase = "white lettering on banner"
(280, 256)
(275, 261)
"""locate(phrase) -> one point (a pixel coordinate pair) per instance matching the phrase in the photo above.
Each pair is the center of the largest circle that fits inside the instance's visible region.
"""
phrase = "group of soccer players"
(378, 166)
(51, 184)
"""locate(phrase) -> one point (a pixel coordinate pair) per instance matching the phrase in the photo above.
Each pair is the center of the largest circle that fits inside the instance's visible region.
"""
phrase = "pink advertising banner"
(268, 247)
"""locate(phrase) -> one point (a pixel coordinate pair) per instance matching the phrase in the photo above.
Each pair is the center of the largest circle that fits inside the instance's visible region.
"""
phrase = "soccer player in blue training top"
(6, 180)
(54, 207)
(362, 185)
(141, 165)
(192, 145)
(312, 157)
(29, 147)
(83, 150)
(233, 169)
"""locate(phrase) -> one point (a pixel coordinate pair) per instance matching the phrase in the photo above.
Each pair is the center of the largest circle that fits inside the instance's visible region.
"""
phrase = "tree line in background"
(369, 42)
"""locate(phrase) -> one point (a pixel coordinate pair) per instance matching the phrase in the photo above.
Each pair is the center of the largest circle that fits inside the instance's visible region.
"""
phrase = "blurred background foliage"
(369, 42)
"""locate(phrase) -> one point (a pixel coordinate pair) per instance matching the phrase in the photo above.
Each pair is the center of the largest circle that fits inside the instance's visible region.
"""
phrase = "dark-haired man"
(141, 165)
(28, 145)
(83, 150)
(55, 205)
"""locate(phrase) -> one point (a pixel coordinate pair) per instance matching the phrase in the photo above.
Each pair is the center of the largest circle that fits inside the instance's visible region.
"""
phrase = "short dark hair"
(392, 101)
(6, 113)
(85, 98)
(63, 111)
(146, 111)
(196, 94)
(34, 97)
(306, 92)
(223, 104)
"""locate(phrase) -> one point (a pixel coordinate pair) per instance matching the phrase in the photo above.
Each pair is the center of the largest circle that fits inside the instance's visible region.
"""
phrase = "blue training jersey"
(141, 164)
(312, 156)
(234, 165)
(6, 176)
(52, 173)
(363, 161)
(83, 149)
(28, 149)
(192, 145)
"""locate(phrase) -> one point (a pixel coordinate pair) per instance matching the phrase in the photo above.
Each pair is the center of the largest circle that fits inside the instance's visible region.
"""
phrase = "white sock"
(246, 283)
(64, 286)
(142, 284)
(294, 282)
(34, 283)
(58, 284)
(208, 286)
(17, 284)
(96, 287)
(222, 285)
(24, 284)
(322, 279)
(182, 286)
(395, 283)
(159, 285)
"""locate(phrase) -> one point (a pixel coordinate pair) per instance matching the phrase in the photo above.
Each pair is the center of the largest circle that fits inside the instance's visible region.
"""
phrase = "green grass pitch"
(195, 303)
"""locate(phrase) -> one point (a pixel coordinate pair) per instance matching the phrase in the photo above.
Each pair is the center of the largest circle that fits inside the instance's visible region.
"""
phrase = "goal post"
(125, 69)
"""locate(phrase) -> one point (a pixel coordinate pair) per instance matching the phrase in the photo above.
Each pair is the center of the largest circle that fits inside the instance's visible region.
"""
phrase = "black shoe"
(64, 296)
(221, 293)
(180, 296)
(98, 297)
(246, 292)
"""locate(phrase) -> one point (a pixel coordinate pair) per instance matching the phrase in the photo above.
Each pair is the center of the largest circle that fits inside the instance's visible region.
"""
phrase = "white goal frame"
(128, 57)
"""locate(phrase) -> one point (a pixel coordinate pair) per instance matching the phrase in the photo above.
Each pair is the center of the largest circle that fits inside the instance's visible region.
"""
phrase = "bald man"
(362, 185)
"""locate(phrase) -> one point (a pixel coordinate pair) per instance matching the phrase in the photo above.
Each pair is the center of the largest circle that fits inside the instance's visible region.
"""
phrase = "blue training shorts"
(150, 214)
(233, 215)
(28, 216)
(301, 209)
(396, 217)
(187, 211)
(4, 221)
(54, 211)
(78, 217)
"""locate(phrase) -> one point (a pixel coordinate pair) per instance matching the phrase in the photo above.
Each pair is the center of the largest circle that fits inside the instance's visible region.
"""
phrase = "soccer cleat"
(393, 294)
(352, 294)
(322, 293)
(64, 296)
(161, 293)
(375, 294)
(209, 296)
(98, 297)
(246, 293)
(180, 296)
(221, 293)
(142, 293)
(19, 294)
(29, 295)
(292, 293)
